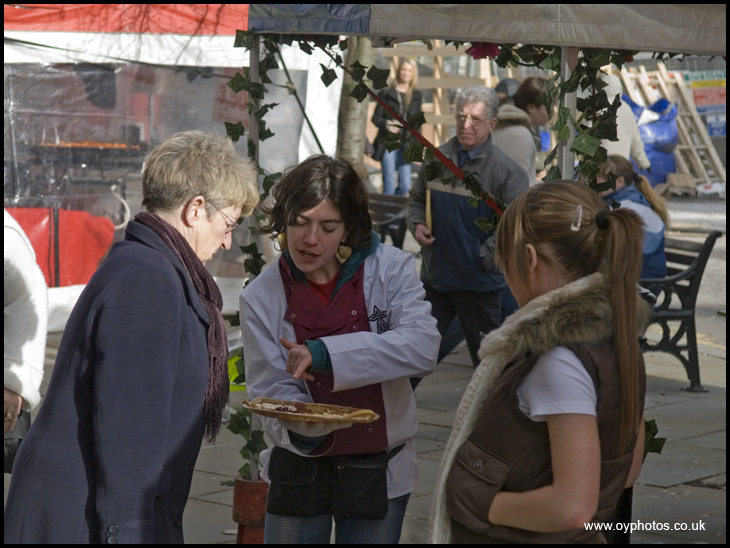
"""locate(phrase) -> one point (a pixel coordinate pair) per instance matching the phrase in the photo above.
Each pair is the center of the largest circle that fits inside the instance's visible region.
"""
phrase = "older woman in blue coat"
(141, 372)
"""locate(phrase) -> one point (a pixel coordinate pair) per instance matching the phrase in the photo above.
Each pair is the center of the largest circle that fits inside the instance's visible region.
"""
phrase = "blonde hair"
(622, 167)
(563, 216)
(412, 85)
(196, 163)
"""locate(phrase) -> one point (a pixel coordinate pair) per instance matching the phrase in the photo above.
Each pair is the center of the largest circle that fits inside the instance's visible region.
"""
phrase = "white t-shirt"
(558, 384)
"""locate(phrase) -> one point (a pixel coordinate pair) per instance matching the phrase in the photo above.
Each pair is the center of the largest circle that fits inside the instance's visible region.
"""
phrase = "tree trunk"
(353, 115)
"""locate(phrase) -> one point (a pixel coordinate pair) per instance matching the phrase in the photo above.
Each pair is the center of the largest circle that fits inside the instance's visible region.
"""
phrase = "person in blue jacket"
(141, 374)
(634, 192)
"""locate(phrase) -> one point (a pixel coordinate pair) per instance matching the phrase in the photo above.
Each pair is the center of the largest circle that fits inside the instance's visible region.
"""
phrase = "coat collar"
(137, 232)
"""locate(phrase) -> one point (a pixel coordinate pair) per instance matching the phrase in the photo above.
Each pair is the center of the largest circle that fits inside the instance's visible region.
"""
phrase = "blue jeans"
(391, 162)
(318, 529)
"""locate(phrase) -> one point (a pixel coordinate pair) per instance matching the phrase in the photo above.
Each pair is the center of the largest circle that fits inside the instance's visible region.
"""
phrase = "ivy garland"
(596, 120)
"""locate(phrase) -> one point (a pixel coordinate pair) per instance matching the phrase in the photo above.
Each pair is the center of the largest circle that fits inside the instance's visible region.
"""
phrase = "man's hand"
(423, 236)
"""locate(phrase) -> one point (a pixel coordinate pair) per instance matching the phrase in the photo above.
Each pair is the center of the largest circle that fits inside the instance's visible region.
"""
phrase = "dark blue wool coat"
(110, 456)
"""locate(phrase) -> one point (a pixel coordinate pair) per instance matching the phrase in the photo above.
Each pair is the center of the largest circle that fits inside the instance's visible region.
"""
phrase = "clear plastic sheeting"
(76, 135)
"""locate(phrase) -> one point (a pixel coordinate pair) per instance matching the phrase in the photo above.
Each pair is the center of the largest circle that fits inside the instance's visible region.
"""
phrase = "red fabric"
(195, 19)
(83, 242)
(37, 223)
(324, 291)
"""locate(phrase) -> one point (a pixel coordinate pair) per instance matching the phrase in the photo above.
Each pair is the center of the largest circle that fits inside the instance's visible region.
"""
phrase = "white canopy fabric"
(679, 28)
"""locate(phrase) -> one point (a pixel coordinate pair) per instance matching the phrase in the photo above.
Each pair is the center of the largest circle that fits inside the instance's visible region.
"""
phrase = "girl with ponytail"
(550, 430)
(634, 192)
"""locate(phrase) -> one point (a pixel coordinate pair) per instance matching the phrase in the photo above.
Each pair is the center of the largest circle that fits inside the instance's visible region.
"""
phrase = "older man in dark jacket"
(457, 269)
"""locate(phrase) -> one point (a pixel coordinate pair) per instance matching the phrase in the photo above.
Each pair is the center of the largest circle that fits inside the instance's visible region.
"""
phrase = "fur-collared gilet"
(574, 314)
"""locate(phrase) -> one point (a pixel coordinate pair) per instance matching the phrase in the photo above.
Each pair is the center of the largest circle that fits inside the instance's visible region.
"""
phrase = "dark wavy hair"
(310, 183)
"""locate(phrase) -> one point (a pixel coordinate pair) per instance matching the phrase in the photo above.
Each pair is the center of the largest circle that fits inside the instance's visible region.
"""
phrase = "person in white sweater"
(25, 319)
(628, 143)
(515, 134)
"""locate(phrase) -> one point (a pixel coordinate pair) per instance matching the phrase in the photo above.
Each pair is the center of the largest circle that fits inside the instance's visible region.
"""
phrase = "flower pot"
(249, 509)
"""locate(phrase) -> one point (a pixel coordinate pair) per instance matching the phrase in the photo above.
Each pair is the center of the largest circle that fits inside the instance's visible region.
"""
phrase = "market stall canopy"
(676, 28)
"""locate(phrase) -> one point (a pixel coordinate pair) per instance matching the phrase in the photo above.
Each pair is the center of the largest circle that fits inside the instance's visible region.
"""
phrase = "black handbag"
(13, 439)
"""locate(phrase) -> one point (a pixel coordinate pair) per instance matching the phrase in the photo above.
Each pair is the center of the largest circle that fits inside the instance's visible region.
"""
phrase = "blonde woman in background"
(404, 98)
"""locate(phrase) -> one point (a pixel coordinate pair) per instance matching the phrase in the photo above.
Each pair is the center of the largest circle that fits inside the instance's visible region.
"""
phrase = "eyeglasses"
(462, 118)
(231, 224)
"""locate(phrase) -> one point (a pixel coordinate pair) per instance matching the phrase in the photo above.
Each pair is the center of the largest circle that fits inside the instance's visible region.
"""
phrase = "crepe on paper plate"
(309, 412)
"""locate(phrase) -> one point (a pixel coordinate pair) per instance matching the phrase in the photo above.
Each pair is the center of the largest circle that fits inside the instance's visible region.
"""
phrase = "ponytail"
(623, 267)
(656, 202)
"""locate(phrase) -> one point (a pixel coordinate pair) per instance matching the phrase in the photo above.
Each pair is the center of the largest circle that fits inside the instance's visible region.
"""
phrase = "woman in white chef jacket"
(339, 319)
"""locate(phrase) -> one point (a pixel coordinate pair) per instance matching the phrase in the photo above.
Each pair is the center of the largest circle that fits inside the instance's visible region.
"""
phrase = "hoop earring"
(343, 253)
(281, 238)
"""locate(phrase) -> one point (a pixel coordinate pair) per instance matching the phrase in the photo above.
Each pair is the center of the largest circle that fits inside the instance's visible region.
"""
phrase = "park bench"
(674, 310)
(389, 216)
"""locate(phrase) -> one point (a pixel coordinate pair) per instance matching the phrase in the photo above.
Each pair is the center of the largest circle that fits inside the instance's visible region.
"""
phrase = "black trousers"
(478, 312)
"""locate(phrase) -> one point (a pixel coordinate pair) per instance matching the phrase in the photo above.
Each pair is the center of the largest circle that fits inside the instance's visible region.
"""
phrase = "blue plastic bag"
(659, 136)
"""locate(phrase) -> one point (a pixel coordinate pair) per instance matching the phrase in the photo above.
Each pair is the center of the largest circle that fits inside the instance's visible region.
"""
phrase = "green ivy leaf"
(264, 109)
(416, 120)
(328, 75)
(379, 77)
(360, 92)
(550, 157)
(564, 133)
(432, 170)
(485, 224)
(413, 151)
(553, 174)
(551, 62)
(585, 144)
(255, 263)
(391, 142)
(270, 180)
(357, 71)
(264, 131)
(243, 39)
(562, 119)
(238, 83)
(234, 131)
(256, 90)
(267, 63)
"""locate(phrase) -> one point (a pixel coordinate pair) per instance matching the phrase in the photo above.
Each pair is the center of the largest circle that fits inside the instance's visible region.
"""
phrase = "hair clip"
(577, 219)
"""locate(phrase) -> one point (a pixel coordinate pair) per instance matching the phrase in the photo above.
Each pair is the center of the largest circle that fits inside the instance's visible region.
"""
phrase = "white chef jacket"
(403, 342)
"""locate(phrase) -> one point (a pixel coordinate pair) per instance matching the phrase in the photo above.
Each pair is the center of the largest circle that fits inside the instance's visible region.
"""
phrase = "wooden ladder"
(695, 154)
